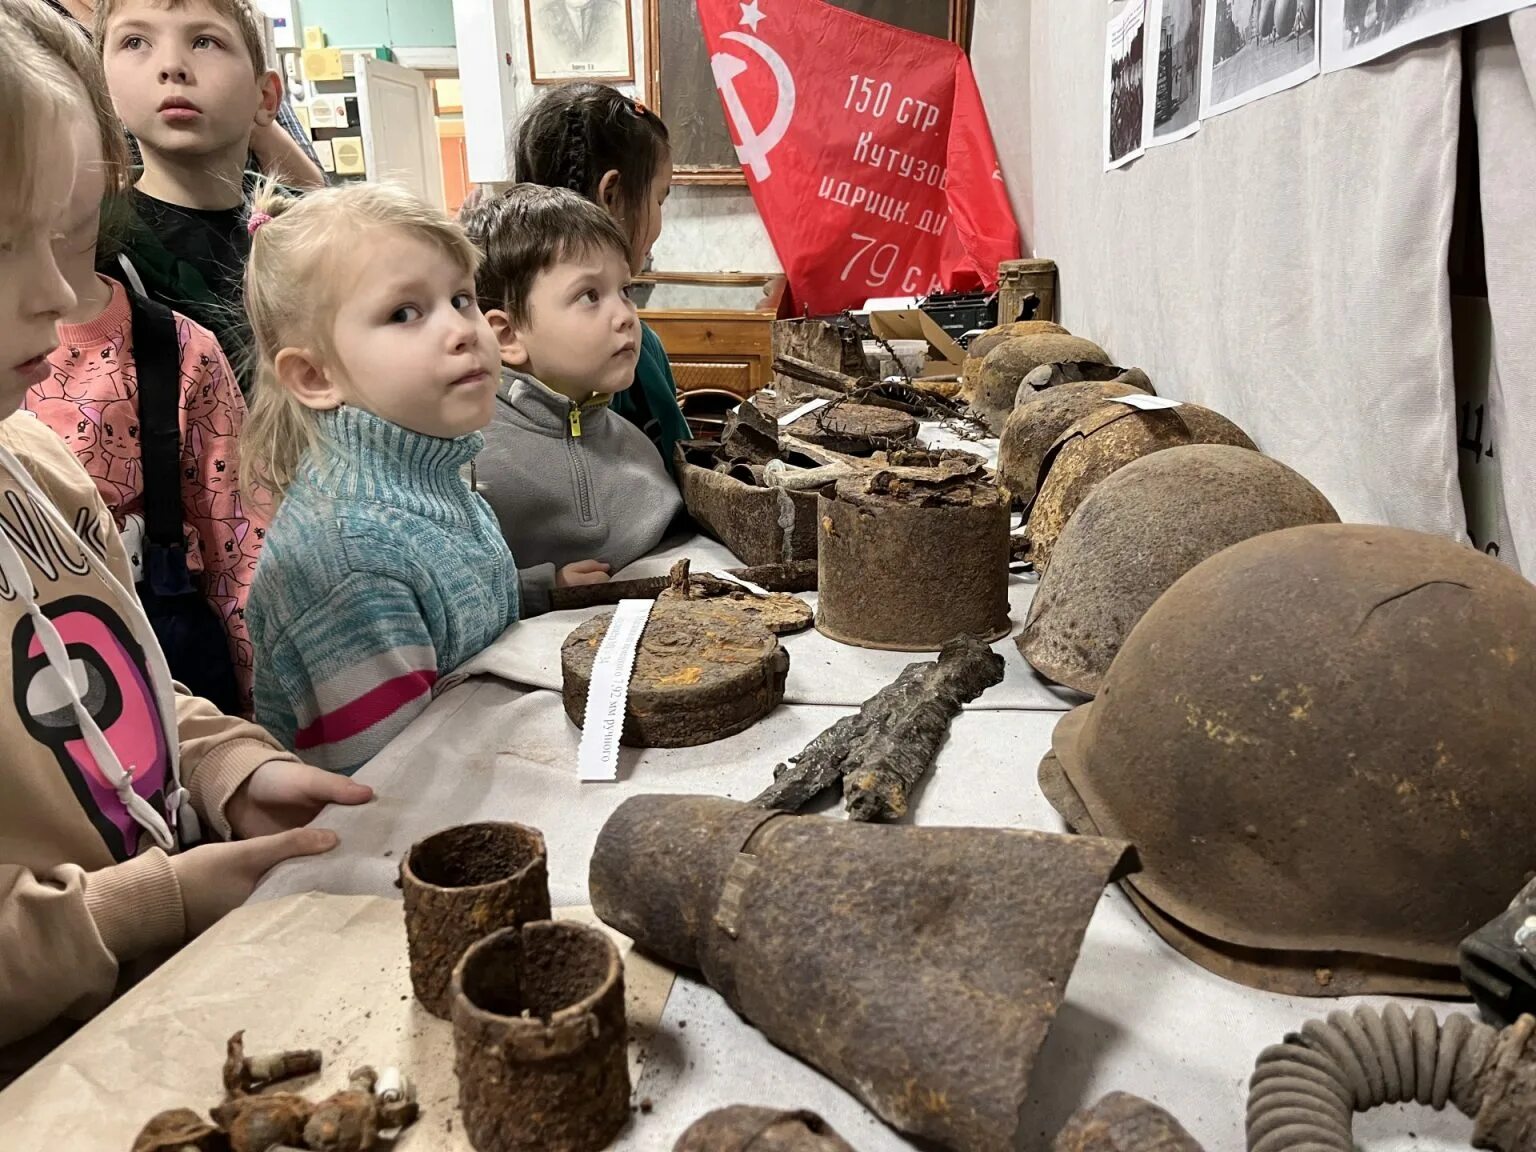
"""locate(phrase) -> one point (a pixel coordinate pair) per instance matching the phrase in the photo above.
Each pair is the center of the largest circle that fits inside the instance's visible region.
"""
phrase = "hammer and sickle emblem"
(755, 146)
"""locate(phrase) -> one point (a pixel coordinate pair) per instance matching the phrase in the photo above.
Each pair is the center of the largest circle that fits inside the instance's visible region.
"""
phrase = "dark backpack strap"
(157, 355)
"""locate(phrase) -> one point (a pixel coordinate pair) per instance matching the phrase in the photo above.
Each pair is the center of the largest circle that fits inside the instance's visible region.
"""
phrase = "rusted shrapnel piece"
(879, 591)
(1077, 372)
(796, 576)
(1121, 1122)
(540, 1039)
(179, 1130)
(920, 968)
(1138, 532)
(1279, 736)
(742, 1128)
(1305, 1090)
(759, 525)
(256, 1123)
(832, 344)
(854, 429)
(992, 391)
(702, 672)
(1103, 442)
(778, 612)
(243, 1073)
(1034, 426)
(460, 884)
(883, 750)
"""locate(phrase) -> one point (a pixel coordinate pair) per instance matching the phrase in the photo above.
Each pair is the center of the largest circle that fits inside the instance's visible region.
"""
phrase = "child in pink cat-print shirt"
(91, 400)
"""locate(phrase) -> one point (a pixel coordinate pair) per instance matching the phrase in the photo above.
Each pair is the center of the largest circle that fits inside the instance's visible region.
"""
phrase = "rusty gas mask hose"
(1305, 1091)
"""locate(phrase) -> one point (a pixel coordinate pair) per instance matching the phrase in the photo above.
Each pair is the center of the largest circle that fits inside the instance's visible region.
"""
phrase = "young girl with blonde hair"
(110, 768)
(382, 570)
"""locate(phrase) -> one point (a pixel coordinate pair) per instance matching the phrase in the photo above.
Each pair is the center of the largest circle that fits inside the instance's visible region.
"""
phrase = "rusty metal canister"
(540, 1040)
(460, 884)
(910, 566)
(1016, 279)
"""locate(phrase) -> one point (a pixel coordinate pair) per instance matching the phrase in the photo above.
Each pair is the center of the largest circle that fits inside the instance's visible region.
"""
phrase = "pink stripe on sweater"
(370, 708)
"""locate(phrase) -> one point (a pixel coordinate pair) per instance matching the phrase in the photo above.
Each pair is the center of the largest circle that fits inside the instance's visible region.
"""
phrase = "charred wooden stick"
(882, 752)
(808, 373)
(794, 576)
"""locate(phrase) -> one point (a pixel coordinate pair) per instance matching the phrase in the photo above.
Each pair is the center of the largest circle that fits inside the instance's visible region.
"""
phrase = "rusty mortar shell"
(461, 884)
(540, 1042)
(897, 573)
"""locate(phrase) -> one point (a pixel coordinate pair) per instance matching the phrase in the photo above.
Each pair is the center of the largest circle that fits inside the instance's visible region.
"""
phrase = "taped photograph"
(1124, 85)
(1255, 48)
(1358, 31)
(1175, 35)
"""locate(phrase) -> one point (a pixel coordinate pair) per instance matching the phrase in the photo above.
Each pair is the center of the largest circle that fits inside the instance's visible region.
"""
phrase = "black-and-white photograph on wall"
(580, 40)
(1175, 33)
(1255, 48)
(1124, 85)
(1357, 31)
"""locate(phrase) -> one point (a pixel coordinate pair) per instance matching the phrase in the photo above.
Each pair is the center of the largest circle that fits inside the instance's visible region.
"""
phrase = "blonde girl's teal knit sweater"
(381, 572)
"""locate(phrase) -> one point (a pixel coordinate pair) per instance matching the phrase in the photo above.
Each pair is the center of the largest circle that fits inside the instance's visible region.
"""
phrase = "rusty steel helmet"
(990, 394)
(1138, 532)
(977, 349)
(1036, 424)
(1103, 442)
(1322, 741)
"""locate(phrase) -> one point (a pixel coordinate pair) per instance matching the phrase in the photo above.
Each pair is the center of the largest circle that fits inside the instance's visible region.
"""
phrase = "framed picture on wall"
(580, 40)
(681, 87)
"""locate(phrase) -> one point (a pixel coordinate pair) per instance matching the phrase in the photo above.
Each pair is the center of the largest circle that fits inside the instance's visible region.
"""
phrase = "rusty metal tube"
(920, 968)
(540, 1039)
(461, 884)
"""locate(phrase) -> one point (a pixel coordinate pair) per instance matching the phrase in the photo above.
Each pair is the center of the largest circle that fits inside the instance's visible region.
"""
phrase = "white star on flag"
(752, 15)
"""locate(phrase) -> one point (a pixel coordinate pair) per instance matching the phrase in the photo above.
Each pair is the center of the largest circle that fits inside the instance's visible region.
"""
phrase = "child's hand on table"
(285, 794)
(582, 572)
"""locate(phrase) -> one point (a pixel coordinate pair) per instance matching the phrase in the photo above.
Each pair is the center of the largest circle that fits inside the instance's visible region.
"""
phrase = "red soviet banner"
(866, 148)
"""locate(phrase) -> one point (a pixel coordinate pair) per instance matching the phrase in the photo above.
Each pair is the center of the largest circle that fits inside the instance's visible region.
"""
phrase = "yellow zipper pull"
(575, 420)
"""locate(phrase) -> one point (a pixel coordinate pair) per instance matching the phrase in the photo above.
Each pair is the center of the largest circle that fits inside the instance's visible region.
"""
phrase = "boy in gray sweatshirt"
(567, 478)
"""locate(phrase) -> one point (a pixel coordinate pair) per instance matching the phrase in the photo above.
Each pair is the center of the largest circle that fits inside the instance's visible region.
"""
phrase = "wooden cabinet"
(717, 328)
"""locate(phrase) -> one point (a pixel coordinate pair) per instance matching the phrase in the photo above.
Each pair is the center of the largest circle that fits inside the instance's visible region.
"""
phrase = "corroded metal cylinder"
(742, 1128)
(540, 1040)
(909, 566)
(460, 884)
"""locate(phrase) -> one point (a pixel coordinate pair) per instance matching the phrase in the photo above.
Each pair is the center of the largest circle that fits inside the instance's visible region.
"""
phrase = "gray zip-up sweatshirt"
(570, 482)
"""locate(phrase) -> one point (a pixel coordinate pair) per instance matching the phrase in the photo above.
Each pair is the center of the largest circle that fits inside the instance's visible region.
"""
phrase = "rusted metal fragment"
(1284, 706)
(255, 1123)
(1506, 1118)
(750, 433)
(920, 968)
(796, 576)
(539, 1039)
(1121, 1122)
(978, 348)
(1036, 424)
(1139, 531)
(854, 429)
(1498, 961)
(1072, 372)
(460, 884)
(991, 392)
(702, 672)
(836, 344)
(885, 748)
(1104, 441)
(878, 591)
(741, 1128)
(759, 525)
(778, 612)
(179, 1130)
(243, 1074)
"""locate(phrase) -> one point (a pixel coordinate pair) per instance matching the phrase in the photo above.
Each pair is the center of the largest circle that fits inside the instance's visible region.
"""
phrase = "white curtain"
(1504, 79)
(1286, 266)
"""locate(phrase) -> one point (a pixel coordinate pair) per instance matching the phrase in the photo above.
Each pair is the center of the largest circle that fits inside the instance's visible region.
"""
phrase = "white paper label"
(804, 410)
(740, 583)
(598, 758)
(1146, 403)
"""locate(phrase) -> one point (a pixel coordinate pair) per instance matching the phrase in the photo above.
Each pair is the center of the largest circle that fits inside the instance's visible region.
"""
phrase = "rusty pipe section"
(920, 968)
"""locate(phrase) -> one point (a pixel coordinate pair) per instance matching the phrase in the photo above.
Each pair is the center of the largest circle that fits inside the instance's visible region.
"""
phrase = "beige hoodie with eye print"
(102, 757)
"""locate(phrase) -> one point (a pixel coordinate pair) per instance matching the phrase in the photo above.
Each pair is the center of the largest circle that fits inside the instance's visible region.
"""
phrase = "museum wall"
(1286, 265)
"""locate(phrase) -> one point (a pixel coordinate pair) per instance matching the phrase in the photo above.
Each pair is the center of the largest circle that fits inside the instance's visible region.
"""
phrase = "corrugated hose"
(1305, 1091)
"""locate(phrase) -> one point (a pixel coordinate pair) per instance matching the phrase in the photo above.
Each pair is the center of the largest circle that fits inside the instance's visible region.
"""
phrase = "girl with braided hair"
(613, 150)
